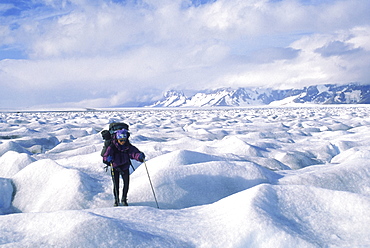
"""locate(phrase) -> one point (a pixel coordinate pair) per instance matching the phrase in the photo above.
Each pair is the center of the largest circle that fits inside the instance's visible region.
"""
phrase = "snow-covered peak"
(171, 98)
(317, 94)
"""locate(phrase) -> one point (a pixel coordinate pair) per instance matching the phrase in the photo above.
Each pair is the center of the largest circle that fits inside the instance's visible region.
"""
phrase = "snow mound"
(234, 145)
(6, 195)
(38, 145)
(12, 146)
(296, 159)
(182, 157)
(12, 162)
(352, 153)
(288, 214)
(269, 163)
(352, 176)
(46, 186)
(263, 216)
(182, 180)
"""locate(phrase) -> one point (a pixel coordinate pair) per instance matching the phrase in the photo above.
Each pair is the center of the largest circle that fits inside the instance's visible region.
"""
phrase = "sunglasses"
(121, 140)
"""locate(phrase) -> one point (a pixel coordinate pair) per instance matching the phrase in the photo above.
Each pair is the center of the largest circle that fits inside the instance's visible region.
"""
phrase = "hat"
(122, 134)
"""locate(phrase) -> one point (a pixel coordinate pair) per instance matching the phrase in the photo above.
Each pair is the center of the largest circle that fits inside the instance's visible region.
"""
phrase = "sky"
(106, 53)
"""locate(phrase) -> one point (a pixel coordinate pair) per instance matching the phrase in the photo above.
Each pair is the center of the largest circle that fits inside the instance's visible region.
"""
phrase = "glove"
(109, 159)
(141, 157)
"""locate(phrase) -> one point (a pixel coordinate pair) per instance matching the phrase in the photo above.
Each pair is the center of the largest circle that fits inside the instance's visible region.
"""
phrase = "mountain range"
(241, 97)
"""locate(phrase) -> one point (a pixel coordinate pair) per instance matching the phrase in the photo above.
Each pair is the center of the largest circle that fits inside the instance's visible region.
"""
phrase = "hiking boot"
(116, 204)
(124, 202)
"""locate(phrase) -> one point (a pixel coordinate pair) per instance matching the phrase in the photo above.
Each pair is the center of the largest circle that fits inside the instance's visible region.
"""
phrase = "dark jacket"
(121, 155)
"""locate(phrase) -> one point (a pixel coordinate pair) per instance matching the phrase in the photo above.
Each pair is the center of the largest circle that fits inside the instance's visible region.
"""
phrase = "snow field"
(254, 177)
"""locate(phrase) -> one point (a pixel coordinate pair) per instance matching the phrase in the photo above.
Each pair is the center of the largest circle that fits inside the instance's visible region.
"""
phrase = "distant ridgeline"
(318, 94)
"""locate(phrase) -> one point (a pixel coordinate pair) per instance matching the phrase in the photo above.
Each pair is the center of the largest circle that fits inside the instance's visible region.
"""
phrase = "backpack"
(107, 135)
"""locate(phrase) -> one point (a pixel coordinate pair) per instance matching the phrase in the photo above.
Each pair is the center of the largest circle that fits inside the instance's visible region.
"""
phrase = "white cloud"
(321, 59)
(151, 45)
(361, 37)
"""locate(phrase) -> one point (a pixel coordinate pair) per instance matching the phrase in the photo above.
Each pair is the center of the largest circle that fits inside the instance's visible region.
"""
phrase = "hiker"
(118, 155)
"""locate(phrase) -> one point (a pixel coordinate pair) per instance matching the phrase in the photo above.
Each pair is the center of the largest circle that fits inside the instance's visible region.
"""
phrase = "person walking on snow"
(118, 155)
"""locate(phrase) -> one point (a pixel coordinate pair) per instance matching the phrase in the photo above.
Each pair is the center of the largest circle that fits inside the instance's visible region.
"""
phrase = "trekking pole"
(151, 185)
(116, 197)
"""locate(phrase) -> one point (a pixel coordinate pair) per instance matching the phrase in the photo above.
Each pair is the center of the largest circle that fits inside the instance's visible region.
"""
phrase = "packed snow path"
(254, 177)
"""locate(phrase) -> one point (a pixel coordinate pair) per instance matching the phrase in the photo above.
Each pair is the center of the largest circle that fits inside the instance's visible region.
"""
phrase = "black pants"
(125, 174)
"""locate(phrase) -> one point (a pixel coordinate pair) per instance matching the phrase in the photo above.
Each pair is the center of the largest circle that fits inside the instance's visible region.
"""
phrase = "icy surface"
(252, 177)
